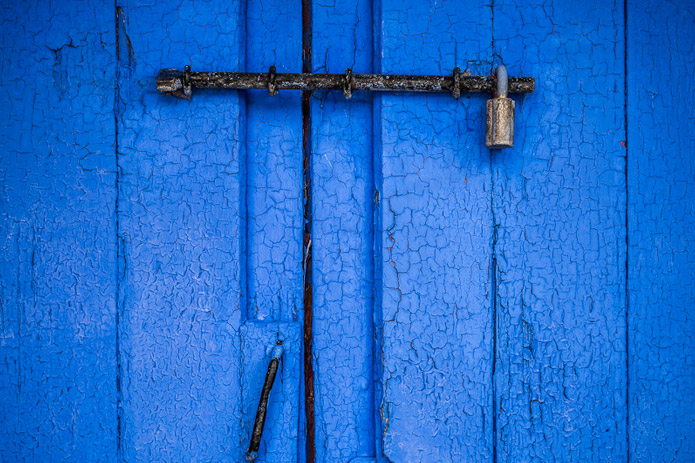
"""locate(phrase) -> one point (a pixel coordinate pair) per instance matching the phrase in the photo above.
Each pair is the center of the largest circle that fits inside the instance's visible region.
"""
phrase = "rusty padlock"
(500, 114)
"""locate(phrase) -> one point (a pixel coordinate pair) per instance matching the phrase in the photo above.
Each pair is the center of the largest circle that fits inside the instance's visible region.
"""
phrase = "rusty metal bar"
(182, 83)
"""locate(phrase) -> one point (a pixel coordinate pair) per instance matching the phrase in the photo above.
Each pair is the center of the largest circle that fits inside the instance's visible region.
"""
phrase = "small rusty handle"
(259, 423)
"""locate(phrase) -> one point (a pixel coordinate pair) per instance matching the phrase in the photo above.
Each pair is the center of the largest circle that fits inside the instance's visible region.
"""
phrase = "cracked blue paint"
(181, 228)
(661, 218)
(342, 194)
(559, 206)
(57, 233)
(525, 305)
(434, 229)
(274, 165)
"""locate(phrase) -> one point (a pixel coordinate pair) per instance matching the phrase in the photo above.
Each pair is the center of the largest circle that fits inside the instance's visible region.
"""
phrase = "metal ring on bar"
(456, 89)
(187, 88)
(272, 85)
(349, 83)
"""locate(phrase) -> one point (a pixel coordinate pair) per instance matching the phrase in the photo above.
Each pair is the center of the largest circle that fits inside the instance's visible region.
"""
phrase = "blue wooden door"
(436, 301)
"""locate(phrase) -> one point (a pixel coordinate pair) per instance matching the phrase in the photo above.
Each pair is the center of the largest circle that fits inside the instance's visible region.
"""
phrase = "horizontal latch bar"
(181, 83)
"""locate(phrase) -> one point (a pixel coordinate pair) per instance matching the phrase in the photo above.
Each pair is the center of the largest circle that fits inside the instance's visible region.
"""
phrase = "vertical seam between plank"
(377, 288)
(118, 240)
(375, 247)
(493, 268)
(244, 159)
(308, 274)
(627, 242)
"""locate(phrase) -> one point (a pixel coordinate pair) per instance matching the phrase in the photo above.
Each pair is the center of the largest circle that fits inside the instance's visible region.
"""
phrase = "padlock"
(500, 114)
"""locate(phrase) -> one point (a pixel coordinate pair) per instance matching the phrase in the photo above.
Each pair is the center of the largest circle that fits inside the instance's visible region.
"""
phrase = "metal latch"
(181, 84)
(259, 422)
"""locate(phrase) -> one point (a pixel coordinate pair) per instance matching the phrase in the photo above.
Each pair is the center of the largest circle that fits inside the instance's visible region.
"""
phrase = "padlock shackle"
(502, 81)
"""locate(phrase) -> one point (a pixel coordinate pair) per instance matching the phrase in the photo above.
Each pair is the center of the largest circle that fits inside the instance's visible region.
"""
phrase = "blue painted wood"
(559, 208)
(181, 223)
(661, 219)
(343, 198)
(498, 308)
(57, 233)
(273, 179)
(433, 234)
(274, 158)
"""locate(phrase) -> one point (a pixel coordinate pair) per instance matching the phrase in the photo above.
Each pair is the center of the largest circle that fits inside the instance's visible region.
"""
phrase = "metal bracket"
(181, 84)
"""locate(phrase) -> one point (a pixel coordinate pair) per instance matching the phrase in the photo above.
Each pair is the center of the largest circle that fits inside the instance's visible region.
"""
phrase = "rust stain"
(308, 288)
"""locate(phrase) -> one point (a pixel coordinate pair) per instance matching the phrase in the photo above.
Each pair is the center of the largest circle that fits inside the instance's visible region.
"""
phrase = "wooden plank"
(559, 208)
(343, 198)
(274, 173)
(433, 240)
(661, 219)
(181, 226)
(274, 227)
(57, 233)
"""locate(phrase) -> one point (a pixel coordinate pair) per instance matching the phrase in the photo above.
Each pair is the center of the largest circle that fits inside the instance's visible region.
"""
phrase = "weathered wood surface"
(532, 304)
